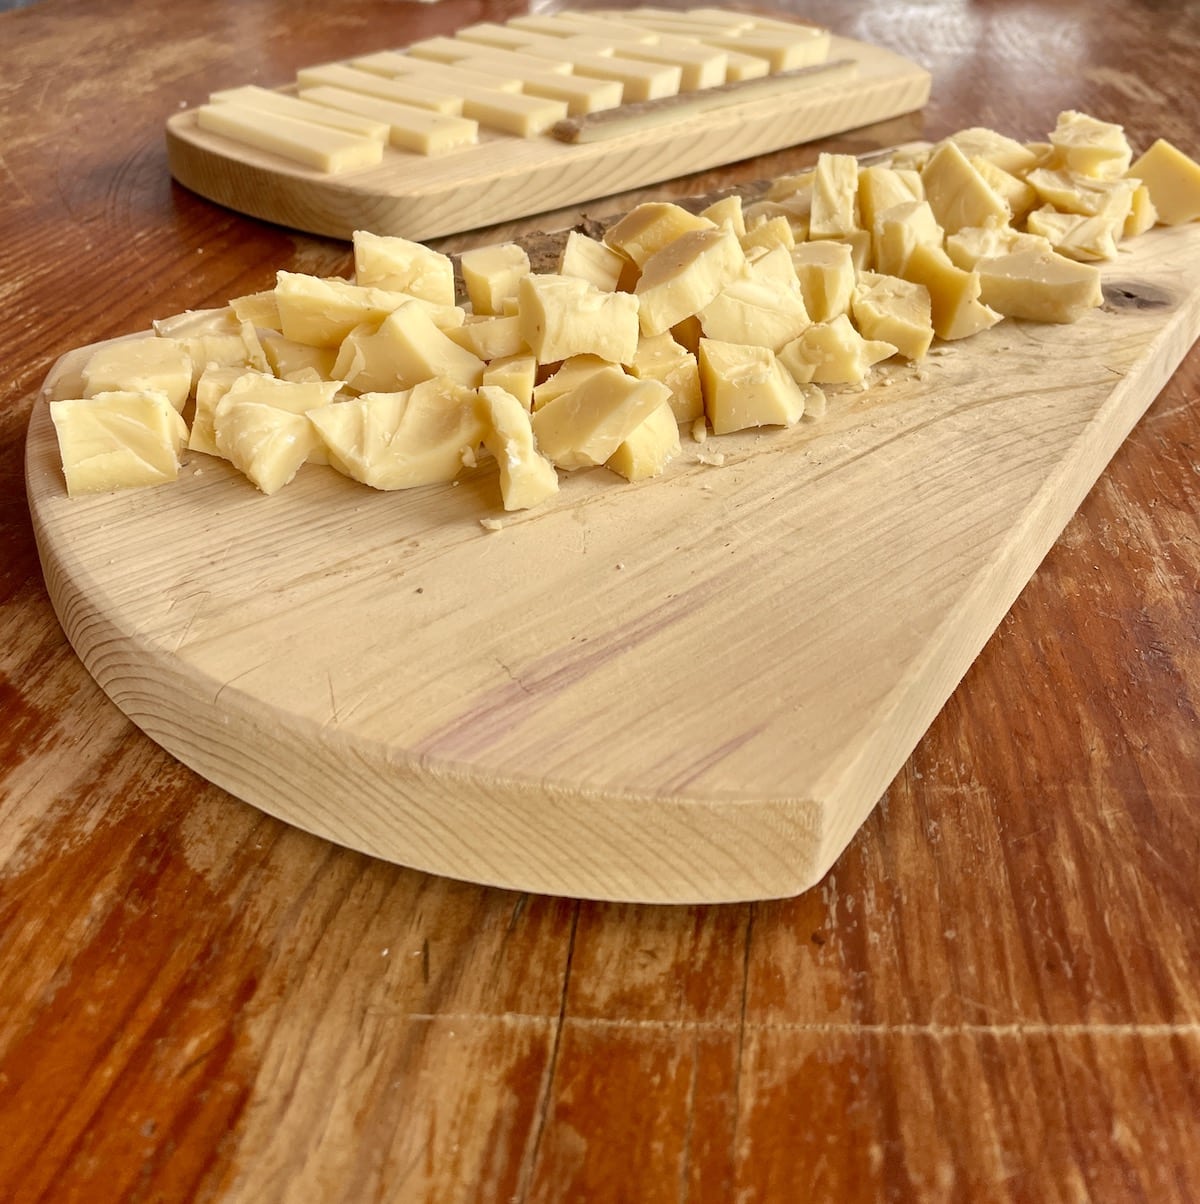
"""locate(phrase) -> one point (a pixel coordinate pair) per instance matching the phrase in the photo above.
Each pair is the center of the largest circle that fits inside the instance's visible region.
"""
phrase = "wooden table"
(992, 996)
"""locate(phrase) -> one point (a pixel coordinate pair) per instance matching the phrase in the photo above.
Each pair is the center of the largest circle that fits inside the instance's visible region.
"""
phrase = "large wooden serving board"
(692, 689)
(503, 177)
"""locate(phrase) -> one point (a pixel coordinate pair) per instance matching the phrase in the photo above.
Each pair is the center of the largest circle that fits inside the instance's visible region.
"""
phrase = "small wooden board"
(503, 178)
(692, 689)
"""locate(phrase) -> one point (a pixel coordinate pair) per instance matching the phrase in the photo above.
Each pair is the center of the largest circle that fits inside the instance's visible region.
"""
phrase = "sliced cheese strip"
(687, 20)
(565, 25)
(390, 64)
(701, 66)
(640, 81)
(304, 142)
(421, 96)
(514, 113)
(581, 94)
(783, 51)
(412, 129)
(487, 33)
(254, 97)
(452, 51)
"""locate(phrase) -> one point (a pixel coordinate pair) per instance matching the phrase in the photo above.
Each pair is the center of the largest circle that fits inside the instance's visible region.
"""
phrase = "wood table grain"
(994, 994)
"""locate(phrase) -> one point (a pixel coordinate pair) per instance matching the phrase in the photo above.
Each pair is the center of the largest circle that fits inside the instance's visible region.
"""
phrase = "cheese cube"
(834, 196)
(1006, 153)
(145, 365)
(515, 374)
(562, 316)
(1090, 147)
(651, 226)
(748, 386)
(890, 310)
(957, 192)
(118, 439)
(1075, 235)
(753, 309)
(401, 266)
(491, 275)
(660, 357)
(1173, 181)
(591, 260)
(833, 353)
(215, 381)
(880, 187)
(953, 294)
(825, 270)
(285, 356)
(899, 231)
(526, 477)
(265, 443)
(678, 281)
(727, 211)
(973, 243)
(571, 373)
(490, 336)
(1040, 286)
(649, 448)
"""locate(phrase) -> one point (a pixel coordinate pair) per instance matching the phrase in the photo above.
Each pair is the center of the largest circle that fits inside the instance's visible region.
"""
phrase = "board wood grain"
(501, 178)
(692, 689)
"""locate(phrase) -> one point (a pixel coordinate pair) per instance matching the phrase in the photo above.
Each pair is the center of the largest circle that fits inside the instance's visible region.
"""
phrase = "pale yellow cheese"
(527, 478)
(1173, 181)
(119, 439)
(392, 64)
(649, 227)
(1070, 192)
(241, 347)
(491, 275)
(253, 97)
(833, 353)
(412, 92)
(895, 311)
(899, 230)
(881, 186)
(1017, 194)
(1011, 156)
(773, 264)
(260, 309)
(728, 211)
(304, 142)
(571, 373)
(561, 316)
(591, 260)
(490, 336)
(639, 81)
(215, 381)
(515, 374)
(285, 356)
(153, 364)
(834, 196)
(1142, 213)
(581, 94)
(954, 294)
(777, 231)
(755, 309)
(583, 427)
(297, 396)
(1089, 146)
(957, 191)
(1040, 286)
(678, 281)
(648, 448)
(401, 351)
(402, 266)
(1076, 235)
(973, 243)
(411, 127)
(825, 270)
(660, 357)
(747, 386)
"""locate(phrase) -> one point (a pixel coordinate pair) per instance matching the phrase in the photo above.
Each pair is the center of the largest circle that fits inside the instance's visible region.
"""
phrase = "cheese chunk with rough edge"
(880, 187)
(957, 192)
(403, 350)
(411, 128)
(649, 448)
(260, 309)
(305, 142)
(660, 357)
(322, 311)
(399, 265)
(1076, 236)
(515, 374)
(899, 231)
(777, 231)
(153, 364)
(1089, 146)
(491, 336)
(1017, 194)
(1070, 192)
(265, 443)
(404, 439)
(773, 264)
(527, 478)
(727, 211)
(833, 353)
(285, 356)
(953, 294)
(751, 309)
(215, 381)
(294, 396)
(1039, 286)
(834, 209)
(649, 227)
(973, 243)
(591, 260)
(678, 281)
(1173, 181)
(571, 373)
(1142, 213)
(825, 270)
(1005, 153)
(491, 275)
(118, 439)
(241, 348)
(582, 428)
(562, 316)
(747, 386)
(254, 97)
(890, 310)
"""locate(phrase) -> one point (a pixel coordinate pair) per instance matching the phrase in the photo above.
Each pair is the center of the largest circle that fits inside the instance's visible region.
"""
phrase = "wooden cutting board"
(692, 689)
(502, 178)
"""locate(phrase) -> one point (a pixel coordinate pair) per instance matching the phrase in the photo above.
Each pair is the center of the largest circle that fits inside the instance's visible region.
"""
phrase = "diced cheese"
(1088, 146)
(678, 281)
(1040, 286)
(957, 192)
(899, 231)
(651, 226)
(515, 374)
(153, 364)
(591, 260)
(747, 387)
(833, 353)
(1173, 181)
(561, 316)
(527, 478)
(491, 275)
(751, 309)
(660, 357)
(402, 266)
(895, 311)
(834, 196)
(954, 294)
(825, 271)
(648, 448)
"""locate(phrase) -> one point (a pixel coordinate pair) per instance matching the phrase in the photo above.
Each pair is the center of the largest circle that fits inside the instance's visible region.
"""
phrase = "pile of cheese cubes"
(734, 317)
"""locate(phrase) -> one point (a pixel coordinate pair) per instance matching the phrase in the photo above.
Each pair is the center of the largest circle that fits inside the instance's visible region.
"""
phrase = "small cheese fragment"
(591, 260)
(1075, 235)
(1011, 156)
(583, 427)
(285, 356)
(649, 448)
(649, 227)
(755, 309)
(954, 294)
(404, 439)
(1089, 146)
(527, 478)
(895, 311)
(834, 210)
(399, 265)
(747, 386)
(825, 271)
(899, 231)
(957, 191)
(410, 128)
(1040, 286)
(403, 350)
(1070, 192)
(265, 443)
(562, 316)
(515, 374)
(304, 142)
(678, 281)
(491, 275)
(118, 439)
(660, 357)
(490, 336)
(1173, 181)
(727, 211)
(153, 364)
(880, 187)
(833, 353)
(973, 243)
(1142, 213)
(215, 381)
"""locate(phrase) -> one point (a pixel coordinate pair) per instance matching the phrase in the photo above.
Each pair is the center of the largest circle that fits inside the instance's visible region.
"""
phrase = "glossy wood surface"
(993, 995)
